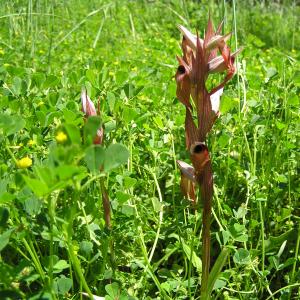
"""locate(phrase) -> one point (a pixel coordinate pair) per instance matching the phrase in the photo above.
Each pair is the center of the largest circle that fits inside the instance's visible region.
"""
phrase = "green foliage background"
(53, 240)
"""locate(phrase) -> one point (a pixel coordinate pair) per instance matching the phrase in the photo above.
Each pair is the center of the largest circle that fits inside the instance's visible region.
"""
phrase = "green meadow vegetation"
(56, 241)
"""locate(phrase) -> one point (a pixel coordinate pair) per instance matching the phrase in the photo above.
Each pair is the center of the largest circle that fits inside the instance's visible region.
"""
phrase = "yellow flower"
(61, 137)
(31, 143)
(24, 163)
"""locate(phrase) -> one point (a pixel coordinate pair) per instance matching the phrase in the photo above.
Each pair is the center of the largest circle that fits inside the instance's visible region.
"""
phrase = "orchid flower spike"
(89, 110)
(88, 106)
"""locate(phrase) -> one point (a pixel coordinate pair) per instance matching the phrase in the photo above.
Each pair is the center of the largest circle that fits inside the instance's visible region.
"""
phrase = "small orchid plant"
(200, 59)
(89, 110)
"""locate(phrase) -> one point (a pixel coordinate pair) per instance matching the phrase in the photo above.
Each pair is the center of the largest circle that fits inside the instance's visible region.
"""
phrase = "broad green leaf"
(91, 75)
(73, 133)
(61, 265)
(86, 248)
(37, 186)
(122, 197)
(228, 103)
(65, 172)
(64, 284)
(113, 290)
(17, 86)
(115, 155)
(11, 124)
(32, 205)
(4, 238)
(219, 284)
(196, 261)
(51, 81)
(129, 182)
(94, 158)
(111, 99)
(242, 257)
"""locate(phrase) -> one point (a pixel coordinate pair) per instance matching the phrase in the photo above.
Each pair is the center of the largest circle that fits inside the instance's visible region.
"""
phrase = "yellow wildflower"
(31, 143)
(24, 163)
(61, 137)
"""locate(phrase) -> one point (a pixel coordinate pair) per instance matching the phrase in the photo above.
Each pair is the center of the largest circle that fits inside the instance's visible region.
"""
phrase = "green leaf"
(4, 238)
(92, 77)
(11, 124)
(223, 140)
(65, 172)
(37, 186)
(113, 290)
(228, 104)
(122, 197)
(64, 284)
(61, 265)
(196, 261)
(129, 114)
(51, 81)
(219, 284)
(115, 155)
(216, 269)
(73, 133)
(94, 158)
(32, 205)
(17, 86)
(86, 248)
(4, 215)
(129, 182)
(111, 99)
(241, 257)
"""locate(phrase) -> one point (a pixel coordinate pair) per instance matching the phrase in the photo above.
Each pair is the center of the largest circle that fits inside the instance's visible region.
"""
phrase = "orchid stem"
(206, 187)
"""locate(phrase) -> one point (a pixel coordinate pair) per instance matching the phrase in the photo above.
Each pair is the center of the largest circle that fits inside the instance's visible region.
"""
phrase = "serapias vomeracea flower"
(89, 110)
(200, 59)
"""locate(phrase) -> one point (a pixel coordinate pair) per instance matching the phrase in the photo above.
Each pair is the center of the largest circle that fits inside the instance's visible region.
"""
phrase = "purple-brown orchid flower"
(201, 58)
(89, 110)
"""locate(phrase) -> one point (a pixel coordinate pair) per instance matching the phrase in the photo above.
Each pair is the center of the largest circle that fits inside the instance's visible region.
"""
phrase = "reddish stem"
(206, 188)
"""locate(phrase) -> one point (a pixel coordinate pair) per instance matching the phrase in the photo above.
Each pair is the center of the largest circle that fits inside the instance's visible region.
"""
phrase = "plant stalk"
(106, 204)
(206, 188)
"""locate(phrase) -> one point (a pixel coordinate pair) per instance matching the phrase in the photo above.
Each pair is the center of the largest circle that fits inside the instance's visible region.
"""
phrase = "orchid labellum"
(201, 57)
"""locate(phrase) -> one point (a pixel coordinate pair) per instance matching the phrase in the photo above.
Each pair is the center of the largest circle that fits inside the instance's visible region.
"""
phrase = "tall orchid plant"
(200, 59)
